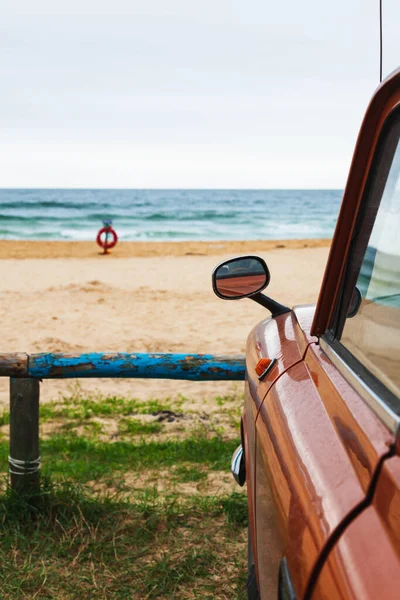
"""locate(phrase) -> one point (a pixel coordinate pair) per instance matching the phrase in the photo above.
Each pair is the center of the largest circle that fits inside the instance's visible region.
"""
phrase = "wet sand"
(30, 249)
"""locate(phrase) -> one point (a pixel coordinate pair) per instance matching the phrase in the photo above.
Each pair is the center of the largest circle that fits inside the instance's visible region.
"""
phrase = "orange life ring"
(109, 244)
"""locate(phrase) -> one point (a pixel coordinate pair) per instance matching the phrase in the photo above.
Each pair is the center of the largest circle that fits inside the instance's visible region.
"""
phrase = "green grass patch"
(81, 409)
(170, 573)
(86, 459)
(136, 427)
(233, 398)
(82, 406)
(5, 417)
(135, 537)
(69, 543)
(110, 406)
(185, 474)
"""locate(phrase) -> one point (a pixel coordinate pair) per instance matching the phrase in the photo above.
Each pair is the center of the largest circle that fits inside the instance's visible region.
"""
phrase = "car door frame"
(385, 100)
(348, 247)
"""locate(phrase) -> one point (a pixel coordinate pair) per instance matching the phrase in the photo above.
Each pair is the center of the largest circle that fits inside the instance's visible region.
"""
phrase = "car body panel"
(263, 342)
(276, 339)
(364, 437)
(249, 446)
(365, 563)
(386, 502)
(317, 448)
(267, 527)
(283, 339)
(308, 470)
(304, 316)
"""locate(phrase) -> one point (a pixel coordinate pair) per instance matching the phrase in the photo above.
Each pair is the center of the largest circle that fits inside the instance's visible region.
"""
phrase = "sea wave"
(169, 214)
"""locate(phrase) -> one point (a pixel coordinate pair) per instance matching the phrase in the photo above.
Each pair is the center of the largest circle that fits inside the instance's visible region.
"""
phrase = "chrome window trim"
(378, 406)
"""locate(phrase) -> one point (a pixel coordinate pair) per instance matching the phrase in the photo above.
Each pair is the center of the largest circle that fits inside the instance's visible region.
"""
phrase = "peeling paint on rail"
(194, 367)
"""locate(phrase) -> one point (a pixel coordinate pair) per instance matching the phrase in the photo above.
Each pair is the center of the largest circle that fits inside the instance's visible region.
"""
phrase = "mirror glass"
(241, 277)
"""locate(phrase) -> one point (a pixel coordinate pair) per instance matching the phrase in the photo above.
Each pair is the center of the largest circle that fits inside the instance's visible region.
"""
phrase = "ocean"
(157, 215)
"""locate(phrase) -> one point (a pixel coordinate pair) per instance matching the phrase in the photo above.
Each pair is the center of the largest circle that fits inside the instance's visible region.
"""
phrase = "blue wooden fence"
(25, 372)
(194, 367)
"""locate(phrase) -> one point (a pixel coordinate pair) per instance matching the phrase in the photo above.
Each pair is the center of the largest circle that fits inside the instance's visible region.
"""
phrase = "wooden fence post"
(24, 460)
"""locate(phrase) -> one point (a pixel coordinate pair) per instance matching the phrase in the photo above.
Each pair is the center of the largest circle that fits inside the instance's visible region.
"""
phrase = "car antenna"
(380, 41)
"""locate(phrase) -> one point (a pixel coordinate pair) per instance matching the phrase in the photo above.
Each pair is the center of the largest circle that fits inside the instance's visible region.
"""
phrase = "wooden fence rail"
(25, 372)
(195, 367)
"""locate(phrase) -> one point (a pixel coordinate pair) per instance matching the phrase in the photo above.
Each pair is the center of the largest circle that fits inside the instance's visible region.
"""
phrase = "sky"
(187, 94)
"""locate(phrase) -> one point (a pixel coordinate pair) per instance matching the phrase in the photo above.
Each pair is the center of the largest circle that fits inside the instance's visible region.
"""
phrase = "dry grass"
(132, 505)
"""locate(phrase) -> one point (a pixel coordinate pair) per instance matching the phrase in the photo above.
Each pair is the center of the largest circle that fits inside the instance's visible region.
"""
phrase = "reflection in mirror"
(241, 277)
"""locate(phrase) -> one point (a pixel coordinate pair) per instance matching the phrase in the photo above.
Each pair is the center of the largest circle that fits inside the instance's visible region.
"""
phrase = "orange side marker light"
(263, 365)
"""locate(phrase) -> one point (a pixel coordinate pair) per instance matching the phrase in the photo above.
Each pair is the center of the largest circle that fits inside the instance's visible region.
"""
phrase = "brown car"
(320, 446)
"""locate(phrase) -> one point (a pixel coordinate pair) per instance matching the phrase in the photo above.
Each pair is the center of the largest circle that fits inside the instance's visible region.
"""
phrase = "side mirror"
(240, 277)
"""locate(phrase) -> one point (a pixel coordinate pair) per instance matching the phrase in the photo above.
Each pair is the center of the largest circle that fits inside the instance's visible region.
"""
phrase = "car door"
(329, 422)
(365, 562)
(317, 449)
(365, 347)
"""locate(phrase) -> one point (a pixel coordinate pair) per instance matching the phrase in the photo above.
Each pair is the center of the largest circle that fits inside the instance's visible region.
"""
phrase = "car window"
(372, 330)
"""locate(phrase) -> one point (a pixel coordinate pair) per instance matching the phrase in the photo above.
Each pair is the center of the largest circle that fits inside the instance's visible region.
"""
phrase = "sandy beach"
(144, 297)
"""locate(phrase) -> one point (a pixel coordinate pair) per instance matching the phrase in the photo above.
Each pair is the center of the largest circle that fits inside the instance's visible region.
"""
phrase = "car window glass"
(372, 333)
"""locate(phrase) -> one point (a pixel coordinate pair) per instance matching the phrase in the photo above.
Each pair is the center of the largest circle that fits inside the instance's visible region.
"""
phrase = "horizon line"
(188, 189)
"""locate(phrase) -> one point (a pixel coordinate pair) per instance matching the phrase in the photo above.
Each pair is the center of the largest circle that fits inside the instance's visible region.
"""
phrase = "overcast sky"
(187, 93)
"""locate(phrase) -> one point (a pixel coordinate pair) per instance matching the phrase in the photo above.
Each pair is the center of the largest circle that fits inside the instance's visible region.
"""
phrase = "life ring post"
(106, 231)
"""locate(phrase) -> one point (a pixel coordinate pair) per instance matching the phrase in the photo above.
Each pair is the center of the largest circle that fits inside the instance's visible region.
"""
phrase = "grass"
(83, 459)
(80, 407)
(74, 543)
(136, 427)
(136, 516)
(185, 474)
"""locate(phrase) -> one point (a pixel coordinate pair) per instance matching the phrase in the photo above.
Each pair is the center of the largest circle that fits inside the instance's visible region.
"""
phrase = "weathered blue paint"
(195, 367)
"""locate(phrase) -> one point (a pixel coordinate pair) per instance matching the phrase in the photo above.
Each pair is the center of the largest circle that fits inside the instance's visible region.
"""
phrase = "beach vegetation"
(126, 508)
